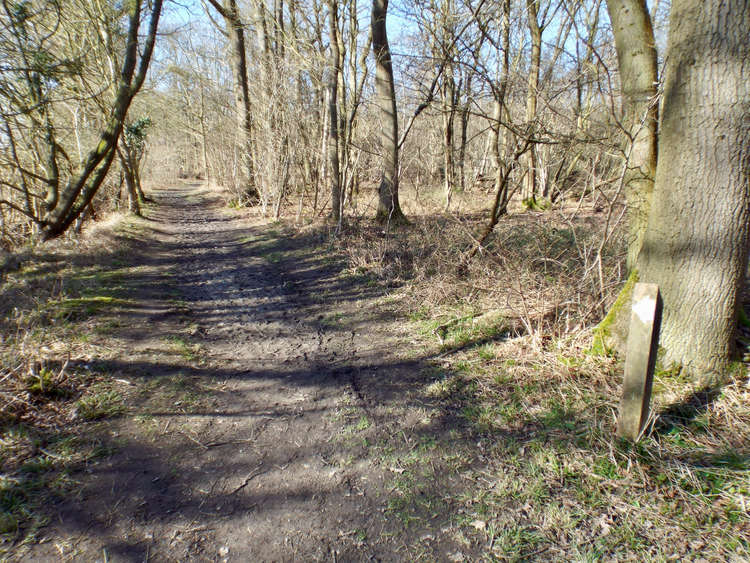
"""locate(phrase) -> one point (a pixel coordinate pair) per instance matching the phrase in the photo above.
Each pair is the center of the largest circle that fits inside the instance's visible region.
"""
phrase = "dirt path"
(273, 409)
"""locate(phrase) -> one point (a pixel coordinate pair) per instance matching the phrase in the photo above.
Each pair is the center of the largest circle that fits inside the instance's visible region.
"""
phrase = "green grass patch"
(80, 308)
(174, 391)
(362, 424)
(273, 257)
(192, 353)
(100, 404)
(41, 465)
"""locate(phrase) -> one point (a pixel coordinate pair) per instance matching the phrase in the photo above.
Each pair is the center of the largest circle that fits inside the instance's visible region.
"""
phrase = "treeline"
(301, 105)
(498, 97)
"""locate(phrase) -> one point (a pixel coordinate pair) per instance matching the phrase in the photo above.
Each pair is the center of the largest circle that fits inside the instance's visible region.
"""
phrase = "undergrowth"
(55, 304)
(541, 271)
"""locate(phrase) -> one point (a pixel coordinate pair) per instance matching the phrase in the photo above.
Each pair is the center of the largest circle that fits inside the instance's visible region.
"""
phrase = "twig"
(201, 444)
(252, 475)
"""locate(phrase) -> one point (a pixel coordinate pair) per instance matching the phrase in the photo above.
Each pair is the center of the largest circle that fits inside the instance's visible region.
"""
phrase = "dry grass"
(541, 269)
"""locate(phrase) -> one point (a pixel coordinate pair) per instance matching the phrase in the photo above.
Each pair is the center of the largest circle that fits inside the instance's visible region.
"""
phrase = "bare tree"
(389, 208)
(335, 124)
(234, 29)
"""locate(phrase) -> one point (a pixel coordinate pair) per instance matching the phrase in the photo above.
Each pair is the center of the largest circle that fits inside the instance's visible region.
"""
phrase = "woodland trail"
(273, 408)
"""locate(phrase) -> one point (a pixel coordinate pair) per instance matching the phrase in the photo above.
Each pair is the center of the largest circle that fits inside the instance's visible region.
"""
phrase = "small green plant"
(362, 424)
(100, 405)
(421, 314)
(193, 353)
(46, 383)
(486, 352)
(333, 320)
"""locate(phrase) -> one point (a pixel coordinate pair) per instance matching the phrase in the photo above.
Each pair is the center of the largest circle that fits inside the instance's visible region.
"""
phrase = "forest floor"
(203, 385)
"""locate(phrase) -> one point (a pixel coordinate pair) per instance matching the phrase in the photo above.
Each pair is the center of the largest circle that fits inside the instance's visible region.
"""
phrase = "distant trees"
(314, 115)
(235, 31)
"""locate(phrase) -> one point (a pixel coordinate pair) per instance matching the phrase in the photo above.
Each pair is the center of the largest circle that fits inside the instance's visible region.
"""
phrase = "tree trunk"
(498, 159)
(134, 204)
(333, 130)
(696, 243)
(389, 209)
(81, 189)
(636, 56)
(464, 120)
(532, 96)
(236, 34)
(449, 111)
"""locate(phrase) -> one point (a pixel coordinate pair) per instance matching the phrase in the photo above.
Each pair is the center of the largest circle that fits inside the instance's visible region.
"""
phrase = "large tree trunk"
(696, 243)
(333, 130)
(636, 56)
(389, 209)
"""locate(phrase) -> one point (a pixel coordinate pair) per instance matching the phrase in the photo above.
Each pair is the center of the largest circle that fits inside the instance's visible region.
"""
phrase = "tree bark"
(333, 130)
(448, 92)
(695, 245)
(389, 209)
(236, 33)
(134, 204)
(498, 159)
(636, 56)
(532, 97)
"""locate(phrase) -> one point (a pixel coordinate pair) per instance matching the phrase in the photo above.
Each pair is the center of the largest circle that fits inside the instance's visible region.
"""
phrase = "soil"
(273, 397)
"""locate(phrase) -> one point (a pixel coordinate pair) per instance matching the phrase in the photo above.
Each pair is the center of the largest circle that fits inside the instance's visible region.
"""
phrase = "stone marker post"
(640, 359)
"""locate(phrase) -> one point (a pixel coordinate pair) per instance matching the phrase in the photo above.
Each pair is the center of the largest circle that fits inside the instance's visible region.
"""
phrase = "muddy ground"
(274, 408)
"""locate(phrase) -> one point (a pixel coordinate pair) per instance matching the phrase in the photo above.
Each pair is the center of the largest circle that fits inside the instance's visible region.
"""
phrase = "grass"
(548, 419)
(273, 257)
(98, 404)
(174, 392)
(78, 308)
(332, 321)
(33, 480)
(192, 353)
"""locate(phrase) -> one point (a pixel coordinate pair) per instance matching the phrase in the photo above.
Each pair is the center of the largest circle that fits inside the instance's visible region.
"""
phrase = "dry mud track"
(275, 409)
